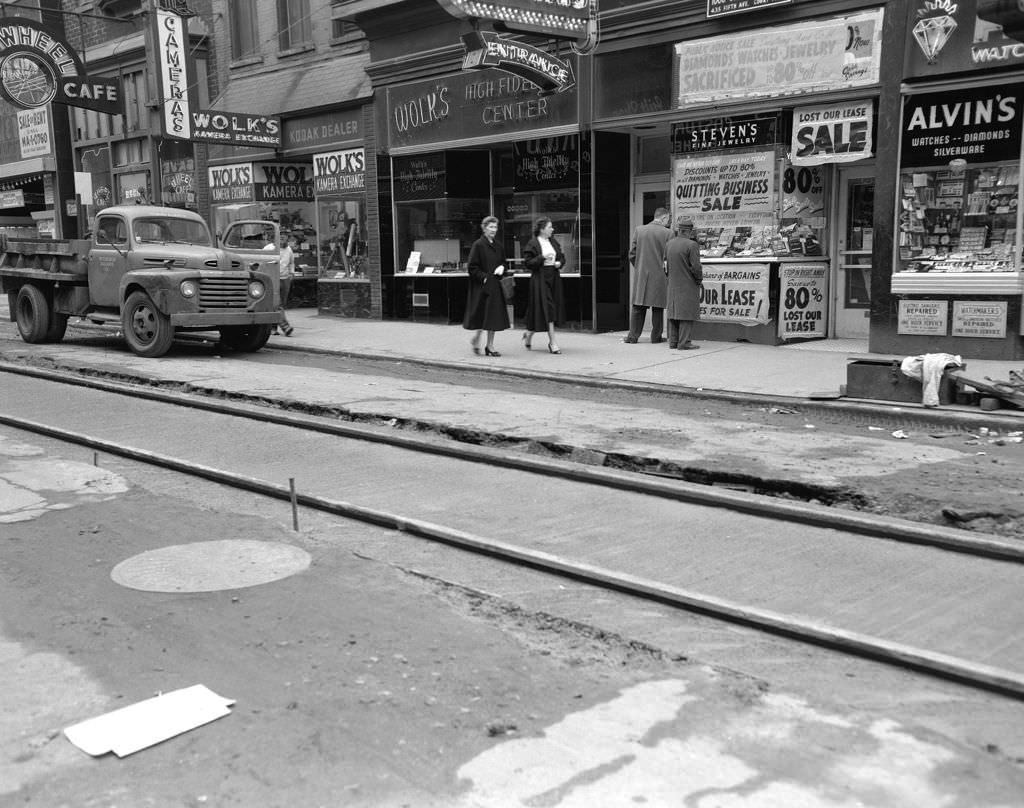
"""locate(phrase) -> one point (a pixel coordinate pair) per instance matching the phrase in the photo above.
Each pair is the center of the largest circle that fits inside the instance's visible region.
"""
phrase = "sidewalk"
(808, 370)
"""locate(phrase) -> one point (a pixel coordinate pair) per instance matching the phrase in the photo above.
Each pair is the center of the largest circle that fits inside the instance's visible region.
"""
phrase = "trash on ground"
(148, 722)
(899, 433)
(782, 410)
(809, 426)
(876, 428)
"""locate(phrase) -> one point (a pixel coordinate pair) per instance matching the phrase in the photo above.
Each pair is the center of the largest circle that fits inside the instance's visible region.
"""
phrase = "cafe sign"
(37, 66)
(549, 73)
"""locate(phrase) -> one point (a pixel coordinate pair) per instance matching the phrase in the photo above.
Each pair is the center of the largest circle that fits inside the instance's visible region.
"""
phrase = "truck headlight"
(188, 288)
(256, 289)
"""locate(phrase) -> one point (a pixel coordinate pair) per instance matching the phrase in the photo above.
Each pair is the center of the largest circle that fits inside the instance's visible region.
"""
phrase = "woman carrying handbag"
(545, 307)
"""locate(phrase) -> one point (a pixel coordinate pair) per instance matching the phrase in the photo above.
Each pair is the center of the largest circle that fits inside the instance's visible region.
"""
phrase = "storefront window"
(341, 224)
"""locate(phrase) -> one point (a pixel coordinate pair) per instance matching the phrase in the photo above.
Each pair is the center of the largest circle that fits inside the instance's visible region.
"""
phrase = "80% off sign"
(802, 298)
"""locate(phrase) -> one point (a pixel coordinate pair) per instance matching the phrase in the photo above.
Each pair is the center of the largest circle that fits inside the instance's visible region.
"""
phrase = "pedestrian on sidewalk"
(485, 300)
(545, 306)
(685, 281)
(285, 270)
(650, 289)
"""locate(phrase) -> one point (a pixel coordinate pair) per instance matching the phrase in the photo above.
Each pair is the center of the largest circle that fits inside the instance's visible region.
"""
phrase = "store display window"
(341, 223)
(959, 218)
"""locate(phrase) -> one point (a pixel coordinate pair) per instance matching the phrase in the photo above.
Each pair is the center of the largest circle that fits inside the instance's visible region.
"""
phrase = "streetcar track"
(653, 483)
(783, 624)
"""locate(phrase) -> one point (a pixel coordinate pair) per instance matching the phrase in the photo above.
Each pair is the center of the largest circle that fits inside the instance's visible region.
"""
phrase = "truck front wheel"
(245, 338)
(147, 330)
(33, 314)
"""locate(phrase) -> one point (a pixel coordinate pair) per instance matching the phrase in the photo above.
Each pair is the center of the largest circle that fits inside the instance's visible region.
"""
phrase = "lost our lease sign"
(832, 133)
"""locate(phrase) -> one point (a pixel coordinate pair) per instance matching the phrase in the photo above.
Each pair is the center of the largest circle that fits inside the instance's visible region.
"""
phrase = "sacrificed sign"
(565, 19)
(550, 74)
(37, 66)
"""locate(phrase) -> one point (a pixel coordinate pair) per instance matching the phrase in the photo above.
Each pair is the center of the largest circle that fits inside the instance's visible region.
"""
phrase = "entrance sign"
(37, 66)
(549, 73)
(564, 19)
(832, 133)
(802, 299)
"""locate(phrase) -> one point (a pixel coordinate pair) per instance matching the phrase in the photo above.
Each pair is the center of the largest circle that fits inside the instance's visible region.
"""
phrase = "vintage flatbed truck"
(154, 270)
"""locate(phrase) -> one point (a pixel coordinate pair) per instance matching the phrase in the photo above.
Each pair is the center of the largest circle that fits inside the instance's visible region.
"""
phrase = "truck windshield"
(171, 231)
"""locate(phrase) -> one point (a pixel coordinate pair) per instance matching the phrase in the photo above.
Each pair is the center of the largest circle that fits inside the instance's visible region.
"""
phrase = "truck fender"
(154, 287)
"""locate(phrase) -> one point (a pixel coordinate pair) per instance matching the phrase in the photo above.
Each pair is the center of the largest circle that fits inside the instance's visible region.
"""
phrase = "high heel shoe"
(490, 352)
(527, 339)
(475, 346)
(552, 349)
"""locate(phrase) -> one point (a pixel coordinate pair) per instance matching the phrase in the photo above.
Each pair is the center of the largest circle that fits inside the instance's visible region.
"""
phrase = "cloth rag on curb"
(928, 369)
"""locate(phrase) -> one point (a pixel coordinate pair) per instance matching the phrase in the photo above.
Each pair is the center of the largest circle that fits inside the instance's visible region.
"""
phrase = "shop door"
(851, 268)
(647, 197)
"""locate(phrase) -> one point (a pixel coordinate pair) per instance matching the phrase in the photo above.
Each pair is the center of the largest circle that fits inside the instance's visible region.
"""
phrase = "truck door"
(108, 260)
(256, 240)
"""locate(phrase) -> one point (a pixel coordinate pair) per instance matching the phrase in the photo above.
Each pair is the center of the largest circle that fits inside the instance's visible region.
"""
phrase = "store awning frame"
(14, 175)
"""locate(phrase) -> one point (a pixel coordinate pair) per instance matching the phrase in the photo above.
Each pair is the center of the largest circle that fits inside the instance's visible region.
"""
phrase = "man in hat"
(685, 282)
(647, 255)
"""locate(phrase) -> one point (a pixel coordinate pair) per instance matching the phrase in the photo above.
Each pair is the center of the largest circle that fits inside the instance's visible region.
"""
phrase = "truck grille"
(223, 293)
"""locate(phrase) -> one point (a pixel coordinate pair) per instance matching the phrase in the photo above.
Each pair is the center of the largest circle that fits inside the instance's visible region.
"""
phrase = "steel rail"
(901, 655)
(868, 524)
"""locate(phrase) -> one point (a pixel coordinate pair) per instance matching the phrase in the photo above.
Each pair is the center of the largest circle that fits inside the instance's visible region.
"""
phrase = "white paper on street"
(148, 722)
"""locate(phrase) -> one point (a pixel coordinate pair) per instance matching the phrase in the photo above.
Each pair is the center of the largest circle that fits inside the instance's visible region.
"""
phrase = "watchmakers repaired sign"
(813, 56)
(37, 66)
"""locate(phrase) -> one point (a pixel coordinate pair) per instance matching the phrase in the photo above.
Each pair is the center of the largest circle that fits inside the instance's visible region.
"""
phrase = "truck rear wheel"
(147, 330)
(58, 326)
(33, 314)
(245, 338)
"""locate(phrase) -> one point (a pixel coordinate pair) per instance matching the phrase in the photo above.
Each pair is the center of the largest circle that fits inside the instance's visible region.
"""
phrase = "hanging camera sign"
(38, 67)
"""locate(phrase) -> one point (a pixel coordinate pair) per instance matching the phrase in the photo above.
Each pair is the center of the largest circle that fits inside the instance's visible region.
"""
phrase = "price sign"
(802, 303)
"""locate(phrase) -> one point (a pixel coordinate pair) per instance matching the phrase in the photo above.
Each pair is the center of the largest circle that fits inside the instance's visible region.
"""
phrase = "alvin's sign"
(550, 74)
(37, 66)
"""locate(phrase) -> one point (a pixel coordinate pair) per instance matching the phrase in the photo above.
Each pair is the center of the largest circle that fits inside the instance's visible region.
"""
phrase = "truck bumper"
(214, 320)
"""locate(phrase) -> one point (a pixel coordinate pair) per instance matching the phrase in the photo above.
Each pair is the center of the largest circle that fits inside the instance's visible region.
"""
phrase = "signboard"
(283, 182)
(236, 128)
(419, 177)
(321, 132)
(832, 133)
(486, 104)
(12, 199)
(34, 132)
(973, 318)
(924, 317)
(725, 190)
(549, 73)
(719, 8)
(734, 132)
(546, 163)
(37, 66)
(171, 43)
(735, 293)
(802, 300)
(564, 19)
(177, 180)
(978, 124)
(339, 172)
(954, 36)
(811, 56)
(231, 183)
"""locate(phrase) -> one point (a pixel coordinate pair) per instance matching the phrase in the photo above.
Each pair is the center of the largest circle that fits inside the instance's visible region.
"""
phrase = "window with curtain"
(294, 27)
(244, 39)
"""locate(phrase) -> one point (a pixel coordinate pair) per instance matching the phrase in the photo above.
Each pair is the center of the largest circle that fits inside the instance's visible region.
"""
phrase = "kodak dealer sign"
(38, 67)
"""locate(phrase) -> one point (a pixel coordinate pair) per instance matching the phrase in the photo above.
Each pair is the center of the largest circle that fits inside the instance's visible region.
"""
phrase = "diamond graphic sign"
(935, 27)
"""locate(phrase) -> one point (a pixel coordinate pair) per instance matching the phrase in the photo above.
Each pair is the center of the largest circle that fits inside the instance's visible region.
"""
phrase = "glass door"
(851, 272)
(647, 197)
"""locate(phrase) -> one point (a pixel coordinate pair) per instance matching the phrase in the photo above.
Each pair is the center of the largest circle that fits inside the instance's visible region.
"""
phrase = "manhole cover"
(210, 566)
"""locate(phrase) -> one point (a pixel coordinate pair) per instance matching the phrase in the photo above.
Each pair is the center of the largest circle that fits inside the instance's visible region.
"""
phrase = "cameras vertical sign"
(171, 45)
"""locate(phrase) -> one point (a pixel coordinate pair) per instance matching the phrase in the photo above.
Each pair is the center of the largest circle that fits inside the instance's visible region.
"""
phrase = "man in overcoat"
(685, 280)
(647, 255)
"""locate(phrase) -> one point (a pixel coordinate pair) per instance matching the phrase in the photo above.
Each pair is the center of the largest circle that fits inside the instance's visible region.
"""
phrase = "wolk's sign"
(236, 128)
(37, 66)
(485, 50)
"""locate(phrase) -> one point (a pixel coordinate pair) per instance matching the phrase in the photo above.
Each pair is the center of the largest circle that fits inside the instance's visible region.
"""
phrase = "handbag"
(508, 287)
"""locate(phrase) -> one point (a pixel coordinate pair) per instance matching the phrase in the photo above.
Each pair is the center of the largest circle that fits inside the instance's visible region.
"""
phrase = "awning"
(14, 175)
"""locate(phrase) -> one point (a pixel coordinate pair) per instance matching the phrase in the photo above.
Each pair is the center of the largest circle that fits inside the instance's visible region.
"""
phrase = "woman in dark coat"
(485, 302)
(543, 256)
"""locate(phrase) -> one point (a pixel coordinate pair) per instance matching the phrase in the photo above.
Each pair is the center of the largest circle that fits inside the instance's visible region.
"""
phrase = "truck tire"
(32, 313)
(147, 330)
(58, 326)
(245, 338)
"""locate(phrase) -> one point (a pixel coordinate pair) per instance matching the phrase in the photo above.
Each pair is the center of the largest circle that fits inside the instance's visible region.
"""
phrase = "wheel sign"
(27, 80)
